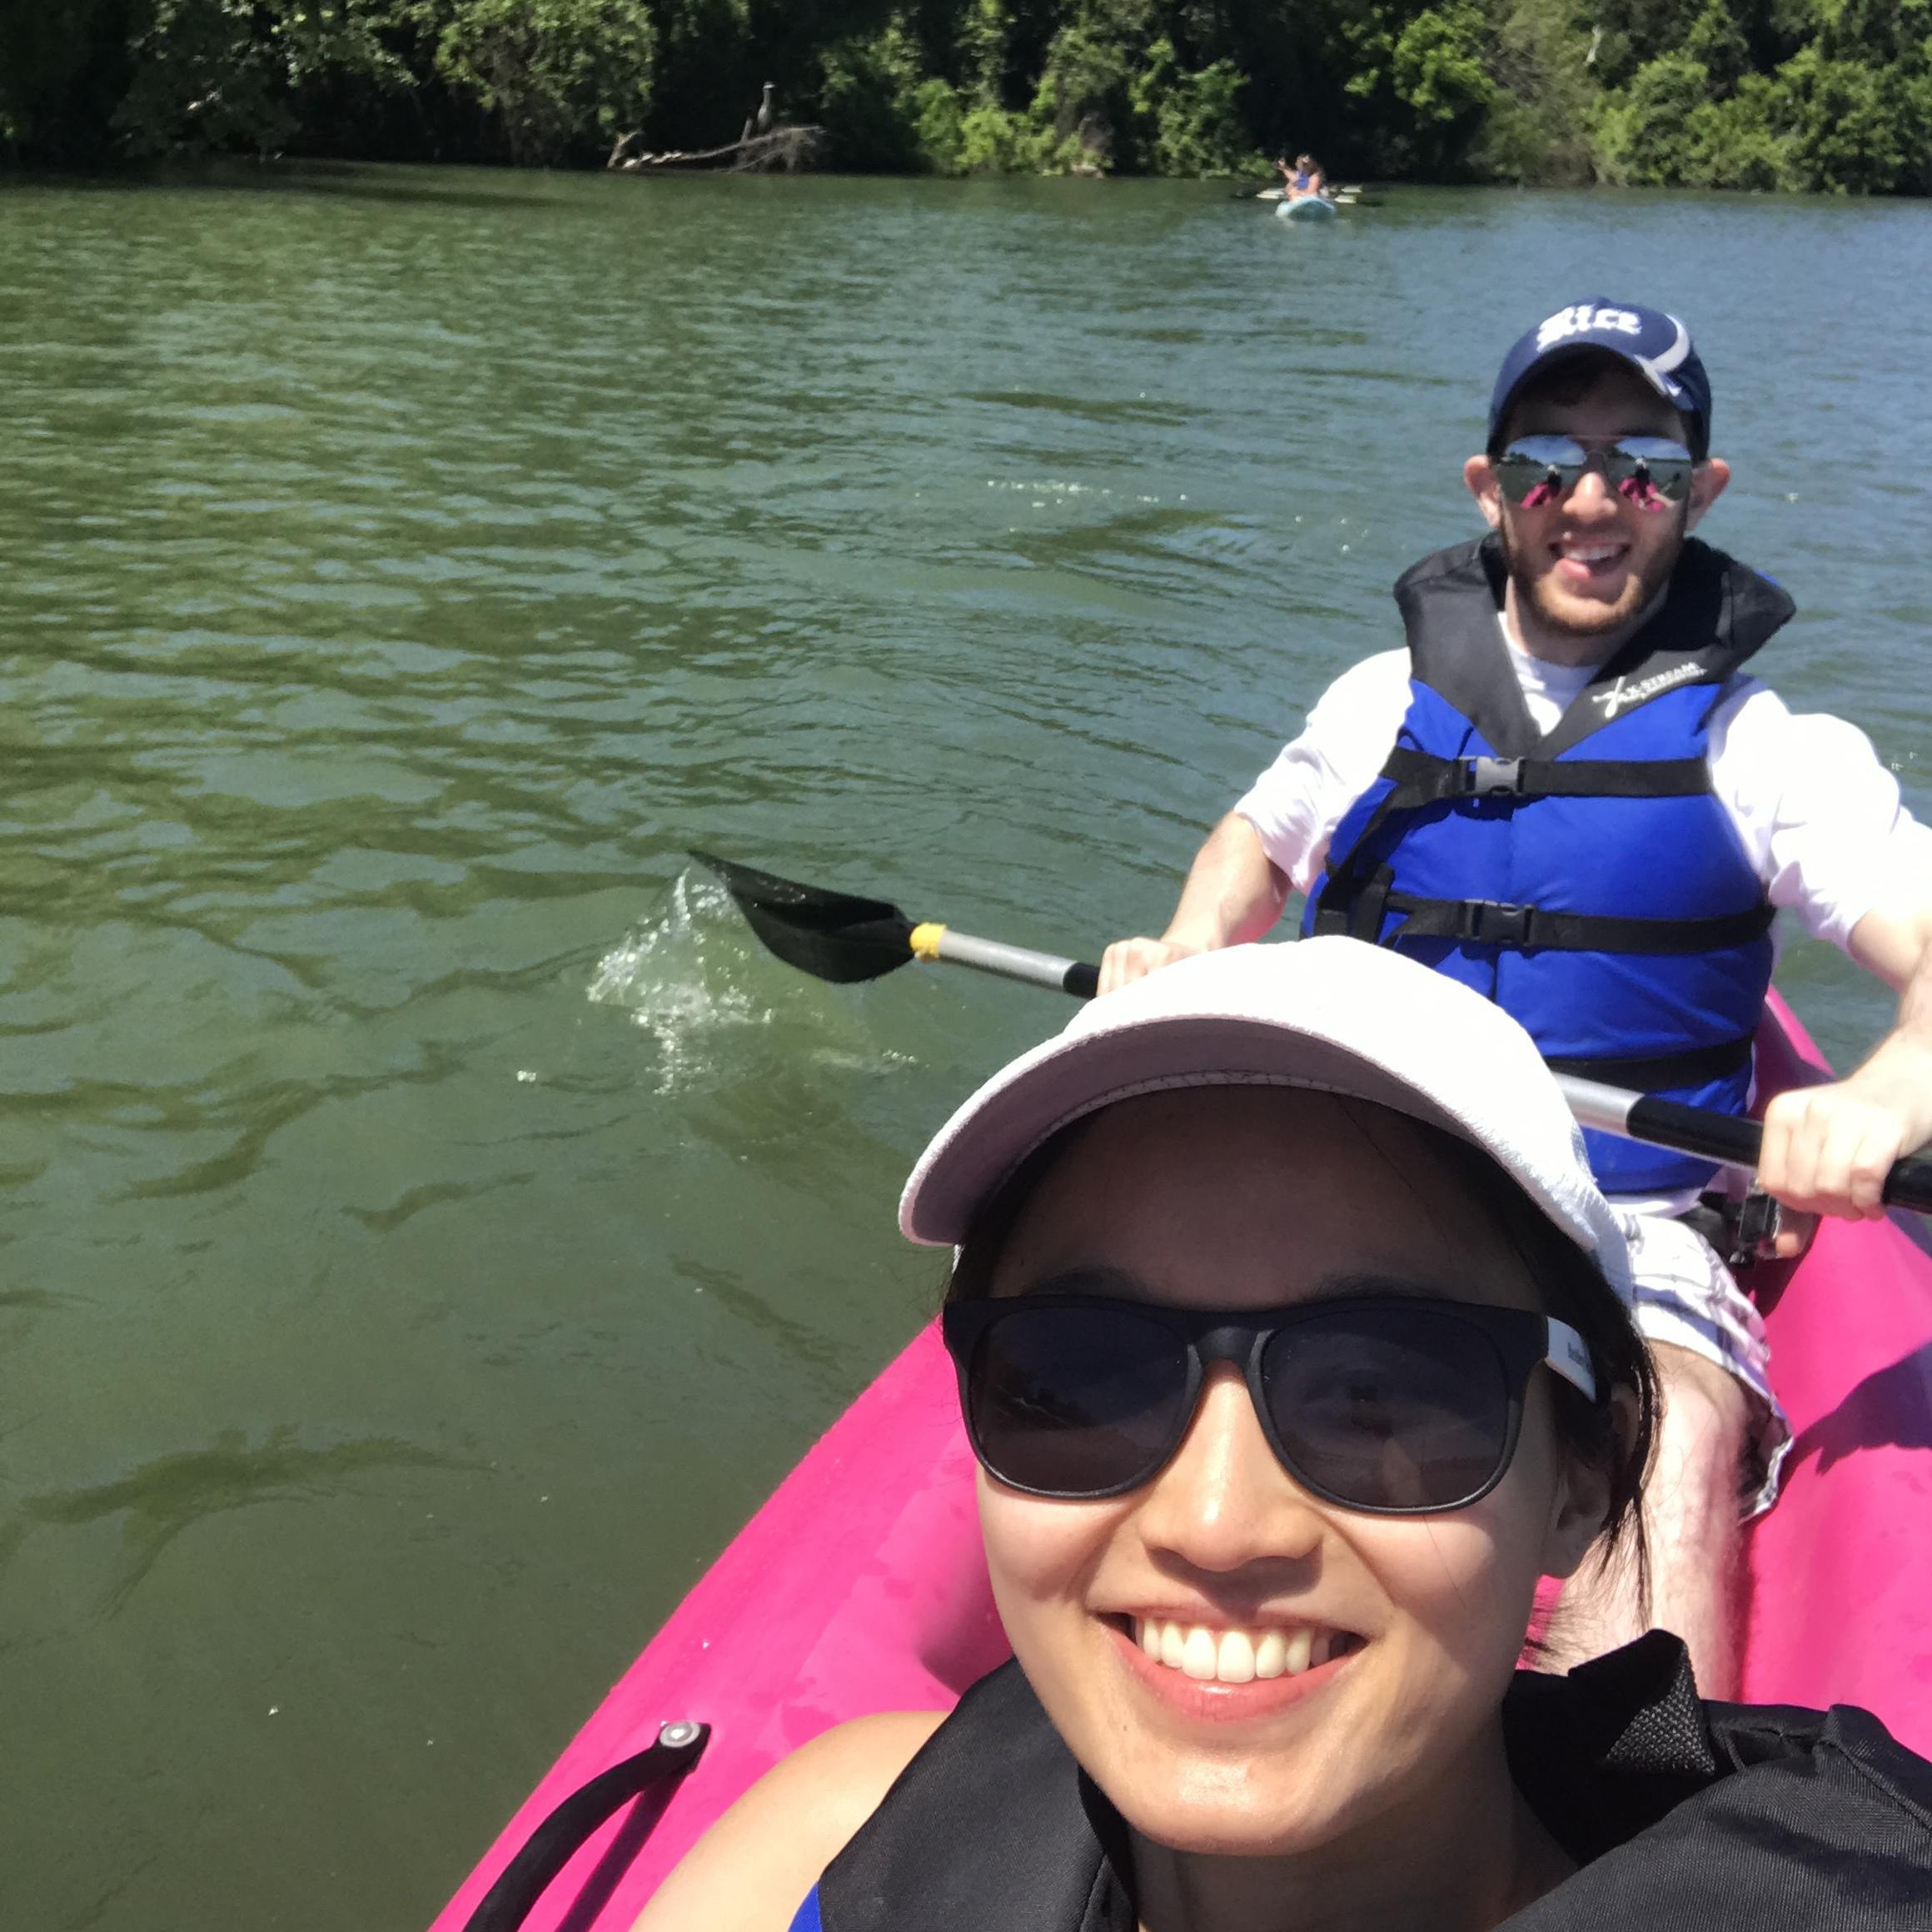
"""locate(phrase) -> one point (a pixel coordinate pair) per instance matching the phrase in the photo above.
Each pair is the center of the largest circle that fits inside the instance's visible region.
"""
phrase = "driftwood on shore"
(787, 147)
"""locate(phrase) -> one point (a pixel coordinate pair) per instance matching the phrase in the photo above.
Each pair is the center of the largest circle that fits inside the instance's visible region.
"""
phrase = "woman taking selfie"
(1293, 1345)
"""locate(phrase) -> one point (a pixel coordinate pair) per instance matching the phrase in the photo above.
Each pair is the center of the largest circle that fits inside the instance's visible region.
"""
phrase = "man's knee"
(1705, 1423)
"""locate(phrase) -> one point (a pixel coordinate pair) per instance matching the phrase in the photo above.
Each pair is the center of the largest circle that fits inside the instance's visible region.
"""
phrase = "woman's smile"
(1219, 1675)
(1241, 1654)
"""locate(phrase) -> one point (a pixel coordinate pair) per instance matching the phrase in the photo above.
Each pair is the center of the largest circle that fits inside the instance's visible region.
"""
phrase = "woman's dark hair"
(1572, 1288)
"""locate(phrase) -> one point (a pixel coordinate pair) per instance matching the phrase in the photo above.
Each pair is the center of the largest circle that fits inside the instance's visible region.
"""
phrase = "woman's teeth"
(1237, 1657)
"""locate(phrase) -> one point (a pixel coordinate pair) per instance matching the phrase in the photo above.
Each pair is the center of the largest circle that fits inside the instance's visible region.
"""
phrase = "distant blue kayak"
(1308, 208)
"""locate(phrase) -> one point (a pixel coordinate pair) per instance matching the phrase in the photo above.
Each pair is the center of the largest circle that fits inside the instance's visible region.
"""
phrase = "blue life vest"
(1585, 878)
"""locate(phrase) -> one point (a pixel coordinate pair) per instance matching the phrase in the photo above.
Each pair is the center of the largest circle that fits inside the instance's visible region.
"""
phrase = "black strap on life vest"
(1694, 1066)
(1528, 929)
(1420, 778)
(1417, 779)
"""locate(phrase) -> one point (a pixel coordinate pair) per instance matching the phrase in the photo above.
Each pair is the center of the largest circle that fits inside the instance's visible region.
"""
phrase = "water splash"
(682, 978)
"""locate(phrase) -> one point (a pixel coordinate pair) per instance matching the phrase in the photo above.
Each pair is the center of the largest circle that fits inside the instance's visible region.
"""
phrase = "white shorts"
(1686, 1296)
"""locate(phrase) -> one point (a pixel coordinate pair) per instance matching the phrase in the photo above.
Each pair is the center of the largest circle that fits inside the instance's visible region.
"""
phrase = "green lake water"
(431, 1225)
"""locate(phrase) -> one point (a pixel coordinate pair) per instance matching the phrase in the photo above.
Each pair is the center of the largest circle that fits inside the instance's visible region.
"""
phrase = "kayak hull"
(859, 1586)
(1308, 208)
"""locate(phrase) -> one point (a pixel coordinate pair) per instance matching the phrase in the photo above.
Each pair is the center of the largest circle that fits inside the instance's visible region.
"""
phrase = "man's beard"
(1643, 589)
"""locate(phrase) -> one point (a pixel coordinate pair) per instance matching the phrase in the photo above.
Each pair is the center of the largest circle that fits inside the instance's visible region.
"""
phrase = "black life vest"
(1682, 1815)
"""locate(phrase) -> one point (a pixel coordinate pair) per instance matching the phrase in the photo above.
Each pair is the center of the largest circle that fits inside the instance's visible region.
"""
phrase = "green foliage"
(1427, 71)
(1644, 136)
(555, 73)
(1083, 102)
(226, 74)
(1855, 128)
(1194, 118)
(1439, 67)
(869, 102)
(1537, 124)
(1738, 142)
(992, 141)
(1716, 42)
(704, 79)
(1804, 95)
(1811, 95)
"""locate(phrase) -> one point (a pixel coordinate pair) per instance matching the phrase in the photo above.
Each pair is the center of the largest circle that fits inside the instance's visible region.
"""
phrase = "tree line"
(1756, 94)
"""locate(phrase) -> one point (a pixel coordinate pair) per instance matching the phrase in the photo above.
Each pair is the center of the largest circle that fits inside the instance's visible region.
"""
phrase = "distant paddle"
(834, 936)
(1348, 196)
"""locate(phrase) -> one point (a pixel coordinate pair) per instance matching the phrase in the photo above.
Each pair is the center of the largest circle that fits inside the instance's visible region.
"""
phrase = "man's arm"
(1827, 1148)
(1234, 892)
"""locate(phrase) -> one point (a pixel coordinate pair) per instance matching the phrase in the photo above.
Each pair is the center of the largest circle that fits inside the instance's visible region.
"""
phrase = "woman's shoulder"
(751, 1870)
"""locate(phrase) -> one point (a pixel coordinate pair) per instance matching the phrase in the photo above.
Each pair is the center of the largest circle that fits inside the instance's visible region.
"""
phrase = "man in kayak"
(1567, 792)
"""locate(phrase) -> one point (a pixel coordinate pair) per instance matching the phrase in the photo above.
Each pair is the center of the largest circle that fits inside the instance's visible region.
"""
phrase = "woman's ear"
(1479, 475)
(1580, 1507)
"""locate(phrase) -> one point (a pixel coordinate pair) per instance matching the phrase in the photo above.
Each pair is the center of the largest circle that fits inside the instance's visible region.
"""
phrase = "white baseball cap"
(1334, 1015)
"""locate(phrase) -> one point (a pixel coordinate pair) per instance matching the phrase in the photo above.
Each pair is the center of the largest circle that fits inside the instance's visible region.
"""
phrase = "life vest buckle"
(1482, 776)
(1491, 922)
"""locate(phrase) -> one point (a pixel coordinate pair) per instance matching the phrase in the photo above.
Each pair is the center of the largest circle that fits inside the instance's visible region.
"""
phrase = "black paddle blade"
(832, 935)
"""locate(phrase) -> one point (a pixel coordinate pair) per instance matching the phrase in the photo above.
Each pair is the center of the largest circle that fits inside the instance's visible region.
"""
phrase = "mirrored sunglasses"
(1653, 472)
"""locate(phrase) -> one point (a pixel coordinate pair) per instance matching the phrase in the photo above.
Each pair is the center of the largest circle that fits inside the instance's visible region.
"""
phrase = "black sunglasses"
(1390, 1406)
(1651, 471)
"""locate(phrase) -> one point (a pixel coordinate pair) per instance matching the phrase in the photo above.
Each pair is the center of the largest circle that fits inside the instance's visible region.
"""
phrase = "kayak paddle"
(834, 936)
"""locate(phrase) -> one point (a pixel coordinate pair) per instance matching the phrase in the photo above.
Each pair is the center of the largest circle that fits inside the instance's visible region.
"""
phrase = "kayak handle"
(652, 1776)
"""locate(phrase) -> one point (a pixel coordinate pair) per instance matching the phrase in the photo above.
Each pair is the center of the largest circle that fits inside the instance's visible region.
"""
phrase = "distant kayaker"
(1294, 1344)
(1568, 793)
(1303, 179)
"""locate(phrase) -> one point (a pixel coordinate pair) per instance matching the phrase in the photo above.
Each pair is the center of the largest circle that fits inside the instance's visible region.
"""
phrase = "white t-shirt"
(1820, 818)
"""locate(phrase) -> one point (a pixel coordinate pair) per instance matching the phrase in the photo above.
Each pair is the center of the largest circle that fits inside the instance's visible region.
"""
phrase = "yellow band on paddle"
(925, 940)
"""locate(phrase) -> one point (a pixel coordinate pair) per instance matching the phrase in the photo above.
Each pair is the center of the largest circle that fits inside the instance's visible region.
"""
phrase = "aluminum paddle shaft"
(839, 937)
(1729, 1137)
(932, 941)
(1726, 1138)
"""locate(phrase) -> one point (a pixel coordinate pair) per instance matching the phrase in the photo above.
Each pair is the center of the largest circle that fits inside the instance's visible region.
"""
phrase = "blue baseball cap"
(1656, 345)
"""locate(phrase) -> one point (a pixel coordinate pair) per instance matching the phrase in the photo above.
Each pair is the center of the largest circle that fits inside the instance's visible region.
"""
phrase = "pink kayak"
(859, 1586)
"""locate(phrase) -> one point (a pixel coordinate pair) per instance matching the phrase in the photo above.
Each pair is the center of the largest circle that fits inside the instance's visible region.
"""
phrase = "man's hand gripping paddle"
(835, 936)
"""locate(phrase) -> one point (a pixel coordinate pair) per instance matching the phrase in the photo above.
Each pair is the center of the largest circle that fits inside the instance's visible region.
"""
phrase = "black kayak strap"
(1420, 778)
(1693, 1067)
(1488, 922)
(653, 1775)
